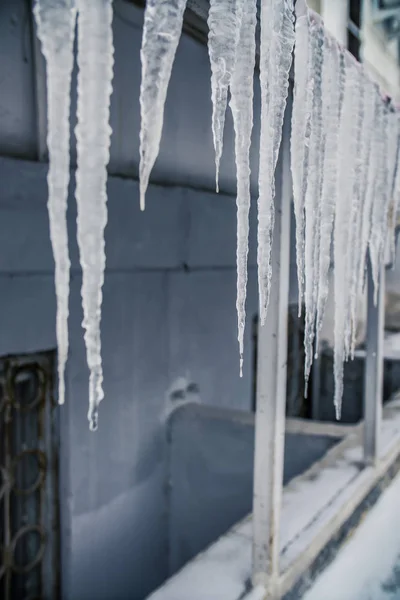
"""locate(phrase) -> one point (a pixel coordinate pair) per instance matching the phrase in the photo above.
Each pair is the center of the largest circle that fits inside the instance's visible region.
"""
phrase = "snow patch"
(360, 571)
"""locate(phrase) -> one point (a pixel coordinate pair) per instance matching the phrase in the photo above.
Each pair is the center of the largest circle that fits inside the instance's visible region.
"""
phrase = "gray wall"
(169, 300)
(159, 323)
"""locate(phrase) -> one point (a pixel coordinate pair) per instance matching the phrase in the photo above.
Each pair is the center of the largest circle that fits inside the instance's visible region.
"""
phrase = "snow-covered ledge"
(316, 505)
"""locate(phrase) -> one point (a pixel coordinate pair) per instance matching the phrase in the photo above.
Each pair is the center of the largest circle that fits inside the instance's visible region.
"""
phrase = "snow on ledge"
(344, 578)
(315, 505)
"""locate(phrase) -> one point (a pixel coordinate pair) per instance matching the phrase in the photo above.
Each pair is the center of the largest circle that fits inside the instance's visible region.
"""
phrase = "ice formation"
(161, 32)
(224, 24)
(95, 61)
(389, 139)
(354, 209)
(55, 21)
(364, 140)
(355, 223)
(393, 157)
(344, 153)
(313, 193)
(343, 219)
(345, 149)
(379, 209)
(396, 198)
(333, 89)
(276, 46)
(372, 168)
(300, 134)
(242, 111)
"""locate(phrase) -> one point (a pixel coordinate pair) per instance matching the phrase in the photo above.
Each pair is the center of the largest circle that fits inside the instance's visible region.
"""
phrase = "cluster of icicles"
(56, 25)
(344, 152)
(346, 186)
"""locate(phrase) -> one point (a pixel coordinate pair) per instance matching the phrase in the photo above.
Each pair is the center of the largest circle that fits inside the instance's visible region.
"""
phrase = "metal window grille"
(28, 480)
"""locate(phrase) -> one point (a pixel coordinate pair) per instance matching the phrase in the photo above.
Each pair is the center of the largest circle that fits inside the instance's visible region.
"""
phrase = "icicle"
(55, 20)
(353, 215)
(95, 60)
(242, 111)
(161, 32)
(277, 41)
(380, 204)
(365, 128)
(372, 166)
(393, 153)
(313, 196)
(342, 230)
(299, 143)
(224, 20)
(332, 91)
(396, 199)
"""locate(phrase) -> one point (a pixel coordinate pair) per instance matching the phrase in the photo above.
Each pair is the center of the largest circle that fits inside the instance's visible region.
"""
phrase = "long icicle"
(381, 202)
(313, 196)
(363, 153)
(393, 152)
(55, 21)
(242, 93)
(354, 210)
(277, 41)
(395, 199)
(161, 32)
(95, 60)
(224, 19)
(300, 134)
(370, 185)
(333, 87)
(345, 185)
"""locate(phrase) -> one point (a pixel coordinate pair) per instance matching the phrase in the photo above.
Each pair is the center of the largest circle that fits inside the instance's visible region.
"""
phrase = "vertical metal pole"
(373, 374)
(271, 387)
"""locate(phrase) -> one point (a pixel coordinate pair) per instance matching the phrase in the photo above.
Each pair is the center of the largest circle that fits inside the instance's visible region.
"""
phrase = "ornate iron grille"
(28, 480)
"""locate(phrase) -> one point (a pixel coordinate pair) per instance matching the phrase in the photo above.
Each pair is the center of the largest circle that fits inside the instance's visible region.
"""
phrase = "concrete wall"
(17, 98)
(161, 322)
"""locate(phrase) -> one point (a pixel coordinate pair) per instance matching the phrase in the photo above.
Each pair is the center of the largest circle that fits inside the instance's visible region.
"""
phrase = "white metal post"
(373, 374)
(335, 15)
(271, 387)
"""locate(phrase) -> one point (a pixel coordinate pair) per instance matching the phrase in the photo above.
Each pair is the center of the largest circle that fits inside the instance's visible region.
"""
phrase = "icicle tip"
(93, 421)
(376, 296)
(61, 388)
(142, 200)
